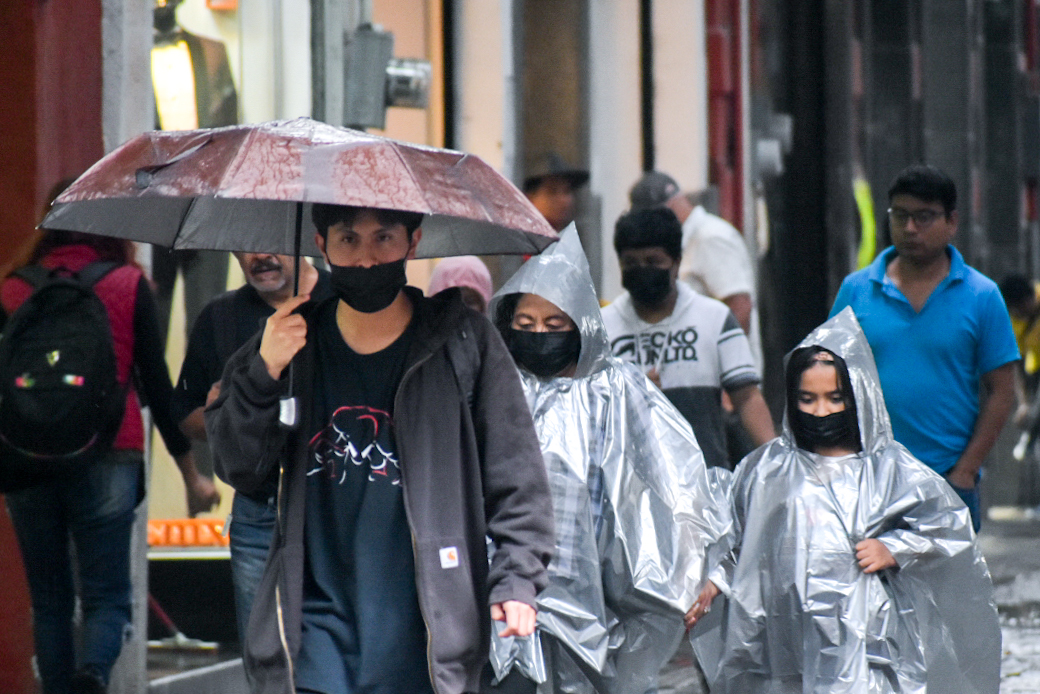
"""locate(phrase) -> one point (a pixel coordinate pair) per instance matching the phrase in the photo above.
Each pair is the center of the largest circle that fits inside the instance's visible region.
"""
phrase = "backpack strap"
(92, 273)
(88, 277)
(35, 275)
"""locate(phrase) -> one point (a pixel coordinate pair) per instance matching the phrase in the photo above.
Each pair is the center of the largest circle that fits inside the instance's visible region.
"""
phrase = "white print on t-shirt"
(360, 435)
(657, 347)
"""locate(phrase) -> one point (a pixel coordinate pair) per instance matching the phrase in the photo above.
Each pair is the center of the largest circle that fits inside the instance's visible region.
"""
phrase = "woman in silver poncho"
(853, 566)
(635, 510)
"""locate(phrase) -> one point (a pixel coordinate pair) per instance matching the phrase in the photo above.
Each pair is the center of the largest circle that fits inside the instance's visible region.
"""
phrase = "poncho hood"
(843, 336)
(561, 275)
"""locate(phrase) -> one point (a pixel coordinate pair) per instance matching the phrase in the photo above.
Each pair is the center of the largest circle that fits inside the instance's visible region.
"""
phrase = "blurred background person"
(92, 513)
(225, 324)
(689, 344)
(469, 274)
(550, 185)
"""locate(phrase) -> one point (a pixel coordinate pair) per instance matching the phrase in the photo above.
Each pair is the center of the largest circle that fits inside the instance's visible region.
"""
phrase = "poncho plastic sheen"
(800, 615)
(635, 510)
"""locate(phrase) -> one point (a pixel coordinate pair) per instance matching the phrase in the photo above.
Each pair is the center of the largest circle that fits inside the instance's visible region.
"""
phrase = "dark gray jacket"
(470, 467)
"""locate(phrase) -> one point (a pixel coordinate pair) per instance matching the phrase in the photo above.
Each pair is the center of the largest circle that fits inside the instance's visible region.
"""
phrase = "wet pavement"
(1011, 545)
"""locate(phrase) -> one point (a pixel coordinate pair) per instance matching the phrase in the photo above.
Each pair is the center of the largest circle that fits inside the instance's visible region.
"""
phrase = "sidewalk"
(1012, 551)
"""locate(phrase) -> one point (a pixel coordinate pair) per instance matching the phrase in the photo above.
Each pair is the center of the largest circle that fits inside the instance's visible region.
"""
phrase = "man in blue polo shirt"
(937, 328)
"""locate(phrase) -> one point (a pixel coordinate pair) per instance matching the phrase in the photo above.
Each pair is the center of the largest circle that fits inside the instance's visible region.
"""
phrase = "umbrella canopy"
(244, 187)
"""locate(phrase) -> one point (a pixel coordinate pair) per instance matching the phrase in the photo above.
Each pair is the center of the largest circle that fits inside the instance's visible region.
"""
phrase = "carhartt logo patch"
(449, 557)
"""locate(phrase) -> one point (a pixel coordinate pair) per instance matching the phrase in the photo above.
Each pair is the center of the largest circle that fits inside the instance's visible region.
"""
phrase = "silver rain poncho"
(634, 508)
(800, 615)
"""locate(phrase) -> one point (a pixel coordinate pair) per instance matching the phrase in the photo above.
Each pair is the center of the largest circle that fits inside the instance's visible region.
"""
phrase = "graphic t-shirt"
(698, 350)
(362, 628)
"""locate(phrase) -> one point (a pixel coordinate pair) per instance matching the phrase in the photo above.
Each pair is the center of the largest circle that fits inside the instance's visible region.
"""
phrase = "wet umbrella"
(249, 187)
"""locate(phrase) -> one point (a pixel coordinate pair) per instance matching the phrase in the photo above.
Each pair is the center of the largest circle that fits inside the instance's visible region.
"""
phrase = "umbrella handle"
(287, 412)
(288, 407)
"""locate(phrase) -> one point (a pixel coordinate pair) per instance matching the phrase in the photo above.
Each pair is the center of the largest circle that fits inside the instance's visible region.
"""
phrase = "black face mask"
(369, 289)
(544, 354)
(648, 285)
(835, 429)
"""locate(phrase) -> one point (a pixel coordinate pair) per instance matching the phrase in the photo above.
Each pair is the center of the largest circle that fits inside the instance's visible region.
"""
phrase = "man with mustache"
(224, 325)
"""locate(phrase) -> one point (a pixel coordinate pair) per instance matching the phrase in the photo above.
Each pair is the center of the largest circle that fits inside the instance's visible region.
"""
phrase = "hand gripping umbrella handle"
(288, 406)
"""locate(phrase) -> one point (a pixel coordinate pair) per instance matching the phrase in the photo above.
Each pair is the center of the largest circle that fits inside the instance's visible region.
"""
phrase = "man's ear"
(416, 238)
(319, 241)
(674, 270)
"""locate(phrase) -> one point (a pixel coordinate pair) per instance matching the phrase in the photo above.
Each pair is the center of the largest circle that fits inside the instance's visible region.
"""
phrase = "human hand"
(213, 394)
(285, 334)
(702, 605)
(201, 492)
(202, 495)
(518, 616)
(960, 478)
(654, 375)
(873, 556)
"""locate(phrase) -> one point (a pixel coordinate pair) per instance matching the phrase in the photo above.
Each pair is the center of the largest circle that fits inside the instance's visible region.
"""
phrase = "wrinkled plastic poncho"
(800, 615)
(634, 508)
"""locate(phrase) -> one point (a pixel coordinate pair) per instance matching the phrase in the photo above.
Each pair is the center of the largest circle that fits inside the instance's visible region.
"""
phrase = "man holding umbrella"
(413, 442)
(408, 442)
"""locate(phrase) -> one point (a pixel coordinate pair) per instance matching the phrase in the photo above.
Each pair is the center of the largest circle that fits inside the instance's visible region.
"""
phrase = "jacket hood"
(843, 335)
(561, 275)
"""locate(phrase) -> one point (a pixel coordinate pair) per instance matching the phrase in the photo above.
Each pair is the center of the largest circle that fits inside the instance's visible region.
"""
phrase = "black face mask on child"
(368, 289)
(825, 432)
(544, 354)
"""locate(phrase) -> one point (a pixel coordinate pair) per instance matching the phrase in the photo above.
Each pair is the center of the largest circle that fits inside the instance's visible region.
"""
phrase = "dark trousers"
(252, 525)
(75, 532)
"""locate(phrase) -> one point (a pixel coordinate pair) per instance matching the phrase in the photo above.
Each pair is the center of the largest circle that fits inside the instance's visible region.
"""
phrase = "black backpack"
(60, 402)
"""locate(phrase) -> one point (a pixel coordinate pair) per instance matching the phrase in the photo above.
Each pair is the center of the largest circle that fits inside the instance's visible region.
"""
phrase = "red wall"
(51, 111)
(725, 140)
(50, 120)
(16, 646)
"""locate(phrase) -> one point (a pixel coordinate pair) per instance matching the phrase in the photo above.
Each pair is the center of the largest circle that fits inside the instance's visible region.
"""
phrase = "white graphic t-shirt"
(698, 350)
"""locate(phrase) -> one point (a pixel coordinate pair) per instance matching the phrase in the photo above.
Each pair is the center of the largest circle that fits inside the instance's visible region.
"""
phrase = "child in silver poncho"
(853, 567)
(635, 509)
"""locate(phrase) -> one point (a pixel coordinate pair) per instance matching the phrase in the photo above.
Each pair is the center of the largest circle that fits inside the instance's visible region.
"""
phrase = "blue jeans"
(252, 525)
(95, 509)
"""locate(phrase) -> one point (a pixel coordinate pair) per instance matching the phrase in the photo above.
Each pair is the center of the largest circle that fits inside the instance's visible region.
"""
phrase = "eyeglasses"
(922, 218)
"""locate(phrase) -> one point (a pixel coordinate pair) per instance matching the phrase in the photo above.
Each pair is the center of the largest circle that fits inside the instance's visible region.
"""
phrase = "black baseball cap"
(652, 190)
